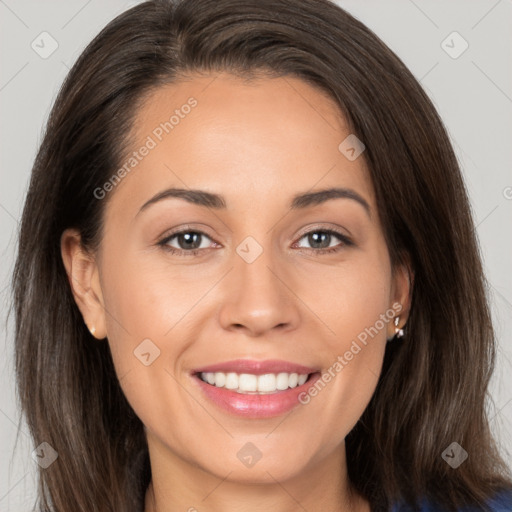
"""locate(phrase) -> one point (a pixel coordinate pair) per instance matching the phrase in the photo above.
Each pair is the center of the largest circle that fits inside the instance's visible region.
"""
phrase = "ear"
(83, 277)
(402, 288)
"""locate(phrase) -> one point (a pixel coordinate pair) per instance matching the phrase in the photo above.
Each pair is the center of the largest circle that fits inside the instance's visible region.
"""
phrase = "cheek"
(150, 312)
(150, 293)
(352, 303)
(142, 299)
(140, 306)
(348, 298)
(143, 304)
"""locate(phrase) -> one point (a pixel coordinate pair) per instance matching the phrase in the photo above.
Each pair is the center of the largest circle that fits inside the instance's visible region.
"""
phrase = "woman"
(242, 282)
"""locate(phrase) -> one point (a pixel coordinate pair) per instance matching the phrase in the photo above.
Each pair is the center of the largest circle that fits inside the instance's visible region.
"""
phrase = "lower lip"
(254, 405)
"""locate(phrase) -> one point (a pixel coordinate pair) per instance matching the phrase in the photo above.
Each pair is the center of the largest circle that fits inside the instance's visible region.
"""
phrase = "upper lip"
(255, 367)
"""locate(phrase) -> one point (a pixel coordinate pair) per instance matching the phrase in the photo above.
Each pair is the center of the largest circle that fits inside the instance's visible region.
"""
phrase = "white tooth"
(220, 379)
(302, 379)
(282, 381)
(231, 381)
(247, 382)
(267, 382)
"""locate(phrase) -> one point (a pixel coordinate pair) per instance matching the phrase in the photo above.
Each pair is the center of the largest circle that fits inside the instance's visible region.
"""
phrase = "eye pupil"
(192, 240)
(318, 238)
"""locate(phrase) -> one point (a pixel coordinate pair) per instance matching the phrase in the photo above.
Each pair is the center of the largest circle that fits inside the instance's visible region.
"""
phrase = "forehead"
(270, 137)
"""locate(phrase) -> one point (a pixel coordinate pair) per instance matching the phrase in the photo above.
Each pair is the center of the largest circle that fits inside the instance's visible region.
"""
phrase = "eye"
(321, 240)
(189, 242)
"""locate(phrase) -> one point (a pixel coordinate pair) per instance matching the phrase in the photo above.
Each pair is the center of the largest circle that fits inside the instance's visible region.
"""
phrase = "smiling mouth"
(251, 384)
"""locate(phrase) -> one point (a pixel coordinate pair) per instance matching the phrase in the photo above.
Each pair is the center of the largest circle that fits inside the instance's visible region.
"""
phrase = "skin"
(257, 144)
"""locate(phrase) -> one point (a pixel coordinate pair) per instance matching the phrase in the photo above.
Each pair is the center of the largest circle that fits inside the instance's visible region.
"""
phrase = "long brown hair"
(433, 388)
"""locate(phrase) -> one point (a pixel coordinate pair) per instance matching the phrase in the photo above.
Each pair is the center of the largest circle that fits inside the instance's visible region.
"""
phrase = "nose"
(258, 297)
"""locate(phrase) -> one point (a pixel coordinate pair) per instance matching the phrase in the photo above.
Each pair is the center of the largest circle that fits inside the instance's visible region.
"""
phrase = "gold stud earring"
(92, 330)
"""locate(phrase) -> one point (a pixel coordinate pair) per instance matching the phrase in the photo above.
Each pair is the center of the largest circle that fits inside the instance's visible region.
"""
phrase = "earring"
(398, 332)
(92, 330)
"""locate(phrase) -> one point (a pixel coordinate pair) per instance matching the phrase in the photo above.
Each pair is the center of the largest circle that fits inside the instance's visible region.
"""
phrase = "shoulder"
(501, 502)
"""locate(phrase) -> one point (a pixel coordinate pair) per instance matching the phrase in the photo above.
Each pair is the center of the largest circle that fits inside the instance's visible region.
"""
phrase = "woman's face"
(257, 275)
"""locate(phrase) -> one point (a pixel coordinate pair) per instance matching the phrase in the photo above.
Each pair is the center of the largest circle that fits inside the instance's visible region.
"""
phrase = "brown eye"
(190, 242)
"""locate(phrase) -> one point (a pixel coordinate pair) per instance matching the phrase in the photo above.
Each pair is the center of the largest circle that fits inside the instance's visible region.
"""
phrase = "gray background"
(472, 92)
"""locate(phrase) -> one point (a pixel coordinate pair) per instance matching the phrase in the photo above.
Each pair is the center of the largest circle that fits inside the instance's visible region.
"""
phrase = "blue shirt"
(502, 502)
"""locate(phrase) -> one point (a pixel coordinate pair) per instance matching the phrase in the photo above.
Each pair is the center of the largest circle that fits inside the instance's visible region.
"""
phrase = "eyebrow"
(216, 201)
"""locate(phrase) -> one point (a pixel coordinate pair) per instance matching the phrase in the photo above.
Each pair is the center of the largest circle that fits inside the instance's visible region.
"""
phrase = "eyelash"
(194, 252)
